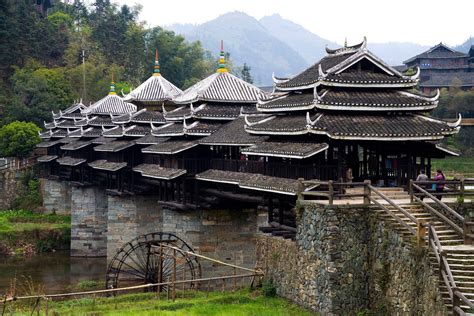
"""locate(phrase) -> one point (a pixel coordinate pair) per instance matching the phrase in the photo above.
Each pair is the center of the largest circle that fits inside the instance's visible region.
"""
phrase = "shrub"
(268, 288)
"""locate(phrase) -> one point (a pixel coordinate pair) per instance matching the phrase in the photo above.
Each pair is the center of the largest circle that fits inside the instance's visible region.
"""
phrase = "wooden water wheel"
(143, 261)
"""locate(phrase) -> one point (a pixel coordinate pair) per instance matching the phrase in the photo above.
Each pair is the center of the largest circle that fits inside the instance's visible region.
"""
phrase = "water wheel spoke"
(139, 260)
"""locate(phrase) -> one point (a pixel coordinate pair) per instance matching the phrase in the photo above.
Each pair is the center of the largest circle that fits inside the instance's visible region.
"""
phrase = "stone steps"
(460, 258)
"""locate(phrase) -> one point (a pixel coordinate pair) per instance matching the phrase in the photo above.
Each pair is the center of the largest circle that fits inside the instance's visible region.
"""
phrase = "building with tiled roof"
(443, 67)
(223, 139)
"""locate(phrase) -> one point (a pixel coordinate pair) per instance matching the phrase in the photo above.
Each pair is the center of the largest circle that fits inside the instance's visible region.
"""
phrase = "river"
(54, 272)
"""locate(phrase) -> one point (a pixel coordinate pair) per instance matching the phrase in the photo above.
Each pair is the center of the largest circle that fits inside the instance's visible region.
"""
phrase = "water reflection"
(57, 272)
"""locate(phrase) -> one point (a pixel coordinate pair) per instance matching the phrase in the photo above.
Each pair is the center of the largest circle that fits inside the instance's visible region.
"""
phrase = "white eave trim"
(356, 108)
(168, 152)
(218, 181)
(438, 146)
(285, 155)
(266, 190)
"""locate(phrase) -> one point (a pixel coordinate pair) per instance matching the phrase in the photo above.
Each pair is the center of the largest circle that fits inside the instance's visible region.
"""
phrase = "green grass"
(239, 303)
(26, 232)
(18, 221)
(454, 165)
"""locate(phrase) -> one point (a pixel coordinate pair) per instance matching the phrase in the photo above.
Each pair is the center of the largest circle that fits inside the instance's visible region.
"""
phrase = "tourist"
(439, 186)
(422, 177)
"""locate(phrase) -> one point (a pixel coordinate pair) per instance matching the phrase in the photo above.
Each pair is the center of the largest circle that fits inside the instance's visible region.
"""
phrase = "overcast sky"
(421, 21)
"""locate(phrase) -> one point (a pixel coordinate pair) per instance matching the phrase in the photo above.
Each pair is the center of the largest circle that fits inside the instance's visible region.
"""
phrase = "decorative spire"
(156, 70)
(345, 41)
(112, 86)
(222, 67)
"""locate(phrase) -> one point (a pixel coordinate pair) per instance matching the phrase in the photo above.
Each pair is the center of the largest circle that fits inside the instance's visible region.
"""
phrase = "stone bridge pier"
(101, 224)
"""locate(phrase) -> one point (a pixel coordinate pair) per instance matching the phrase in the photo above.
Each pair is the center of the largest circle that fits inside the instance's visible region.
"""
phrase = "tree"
(18, 138)
(245, 73)
(40, 91)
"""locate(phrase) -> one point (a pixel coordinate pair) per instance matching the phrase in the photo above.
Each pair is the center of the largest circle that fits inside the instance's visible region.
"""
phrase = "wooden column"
(399, 169)
(270, 208)
(280, 211)
(428, 168)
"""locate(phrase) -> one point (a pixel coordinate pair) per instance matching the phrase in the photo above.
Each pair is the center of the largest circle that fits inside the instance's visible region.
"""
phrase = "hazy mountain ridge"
(247, 41)
(277, 45)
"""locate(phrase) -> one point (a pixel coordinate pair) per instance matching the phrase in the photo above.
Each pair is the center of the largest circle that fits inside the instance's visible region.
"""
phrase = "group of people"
(438, 187)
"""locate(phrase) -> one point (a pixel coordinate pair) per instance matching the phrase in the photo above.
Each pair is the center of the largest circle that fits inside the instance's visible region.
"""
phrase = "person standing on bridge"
(422, 177)
(439, 186)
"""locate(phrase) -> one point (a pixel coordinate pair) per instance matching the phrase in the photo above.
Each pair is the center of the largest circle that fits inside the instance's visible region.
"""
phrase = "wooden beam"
(236, 196)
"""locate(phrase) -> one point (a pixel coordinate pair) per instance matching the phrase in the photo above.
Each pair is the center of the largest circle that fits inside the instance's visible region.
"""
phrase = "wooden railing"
(452, 188)
(16, 163)
(457, 298)
(447, 214)
(330, 190)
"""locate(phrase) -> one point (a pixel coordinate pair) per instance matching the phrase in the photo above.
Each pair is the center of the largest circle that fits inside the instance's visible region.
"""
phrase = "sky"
(425, 22)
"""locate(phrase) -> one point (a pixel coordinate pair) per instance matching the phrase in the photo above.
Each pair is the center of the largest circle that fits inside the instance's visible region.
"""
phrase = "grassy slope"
(25, 231)
(452, 165)
(19, 221)
(233, 304)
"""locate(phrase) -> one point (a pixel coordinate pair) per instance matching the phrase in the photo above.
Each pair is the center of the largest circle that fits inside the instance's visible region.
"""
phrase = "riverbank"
(28, 233)
(243, 302)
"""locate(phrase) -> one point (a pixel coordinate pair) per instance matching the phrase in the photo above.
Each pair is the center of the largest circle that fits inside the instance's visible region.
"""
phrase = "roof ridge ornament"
(112, 86)
(457, 123)
(156, 68)
(309, 122)
(415, 76)
(321, 73)
(222, 67)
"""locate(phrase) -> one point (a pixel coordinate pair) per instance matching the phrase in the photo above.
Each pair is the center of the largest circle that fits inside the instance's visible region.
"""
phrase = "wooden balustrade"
(457, 298)
(417, 193)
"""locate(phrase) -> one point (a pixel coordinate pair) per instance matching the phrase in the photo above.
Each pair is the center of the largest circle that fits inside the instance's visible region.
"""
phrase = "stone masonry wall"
(129, 217)
(227, 235)
(88, 222)
(56, 196)
(8, 188)
(344, 261)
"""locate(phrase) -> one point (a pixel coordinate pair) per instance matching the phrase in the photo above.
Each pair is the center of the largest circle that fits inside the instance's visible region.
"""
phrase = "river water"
(55, 272)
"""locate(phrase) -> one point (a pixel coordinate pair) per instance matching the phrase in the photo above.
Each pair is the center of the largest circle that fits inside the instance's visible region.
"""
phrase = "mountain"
(307, 44)
(280, 46)
(464, 47)
(247, 40)
(394, 53)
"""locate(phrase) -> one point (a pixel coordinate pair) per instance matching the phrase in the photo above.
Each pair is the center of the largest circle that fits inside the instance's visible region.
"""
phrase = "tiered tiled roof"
(220, 87)
(170, 147)
(46, 158)
(150, 140)
(438, 51)
(232, 134)
(179, 114)
(285, 149)
(111, 104)
(107, 165)
(114, 146)
(357, 127)
(76, 145)
(251, 181)
(48, 143)
(148, 117)
(337, 69)
(69, 161)
(158, 172)
(218, 112)
(154, 90)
